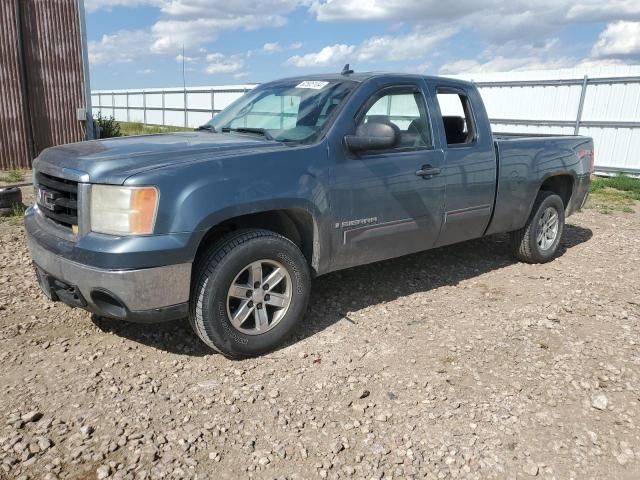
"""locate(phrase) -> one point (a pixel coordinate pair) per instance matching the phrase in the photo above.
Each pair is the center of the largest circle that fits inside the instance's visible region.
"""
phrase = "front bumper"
(140, 295)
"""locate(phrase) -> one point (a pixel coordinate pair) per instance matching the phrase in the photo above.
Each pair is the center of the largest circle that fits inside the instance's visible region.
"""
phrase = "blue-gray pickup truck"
(227, 225)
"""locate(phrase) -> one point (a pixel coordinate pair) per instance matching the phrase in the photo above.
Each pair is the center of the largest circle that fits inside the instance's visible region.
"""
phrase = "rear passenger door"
(385, 207)
(469, 166)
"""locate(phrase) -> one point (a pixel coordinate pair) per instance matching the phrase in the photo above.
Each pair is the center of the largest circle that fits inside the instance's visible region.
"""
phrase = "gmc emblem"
(46, 199)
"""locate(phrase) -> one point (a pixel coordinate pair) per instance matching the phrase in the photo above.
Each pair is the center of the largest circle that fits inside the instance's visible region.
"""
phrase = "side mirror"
(372, 136)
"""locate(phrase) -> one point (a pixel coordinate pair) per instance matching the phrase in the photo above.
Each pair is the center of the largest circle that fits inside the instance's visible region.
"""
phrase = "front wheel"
(538, 240)
(250, 291)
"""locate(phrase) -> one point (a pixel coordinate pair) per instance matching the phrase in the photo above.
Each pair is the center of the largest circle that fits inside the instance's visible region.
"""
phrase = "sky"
(139, 43)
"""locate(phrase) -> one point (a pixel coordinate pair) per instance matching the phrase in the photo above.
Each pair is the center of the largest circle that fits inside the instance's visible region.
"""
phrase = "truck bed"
(525, 162)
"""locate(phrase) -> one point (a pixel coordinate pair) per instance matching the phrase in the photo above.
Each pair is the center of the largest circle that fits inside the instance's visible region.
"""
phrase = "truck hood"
(114, 160)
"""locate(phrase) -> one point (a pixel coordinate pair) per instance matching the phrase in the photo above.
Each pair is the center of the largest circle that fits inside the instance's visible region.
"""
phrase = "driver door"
(389, 202)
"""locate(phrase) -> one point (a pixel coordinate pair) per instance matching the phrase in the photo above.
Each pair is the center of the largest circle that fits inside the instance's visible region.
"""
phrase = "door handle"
(428, 171)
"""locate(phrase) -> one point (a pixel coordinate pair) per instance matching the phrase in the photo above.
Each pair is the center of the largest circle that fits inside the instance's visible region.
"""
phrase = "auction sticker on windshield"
(314, 84)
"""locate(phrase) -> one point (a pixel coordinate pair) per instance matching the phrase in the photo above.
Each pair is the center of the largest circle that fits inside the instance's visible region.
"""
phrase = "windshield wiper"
(209, 128)
(259, 131)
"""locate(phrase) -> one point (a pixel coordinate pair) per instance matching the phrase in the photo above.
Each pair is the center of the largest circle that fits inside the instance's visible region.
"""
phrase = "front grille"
(57, 199)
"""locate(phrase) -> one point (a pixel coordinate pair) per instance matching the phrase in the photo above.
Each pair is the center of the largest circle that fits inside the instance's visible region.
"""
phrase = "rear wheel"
(250, 291)
(538, 240)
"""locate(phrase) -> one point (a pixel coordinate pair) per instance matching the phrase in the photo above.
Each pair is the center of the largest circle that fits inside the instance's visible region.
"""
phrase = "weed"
(610, 194)
(13, 176)
(138, 128)
(16, 215)
(619, 182)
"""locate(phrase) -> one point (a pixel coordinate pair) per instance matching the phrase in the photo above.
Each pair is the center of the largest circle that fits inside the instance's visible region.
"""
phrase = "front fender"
(195, 198)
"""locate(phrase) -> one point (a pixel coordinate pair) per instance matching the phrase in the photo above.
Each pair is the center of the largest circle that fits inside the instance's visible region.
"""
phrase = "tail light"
(592, 159)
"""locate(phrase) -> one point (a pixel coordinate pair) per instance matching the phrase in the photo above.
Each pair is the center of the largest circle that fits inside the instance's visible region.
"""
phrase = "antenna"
(346, 70)
(184, 82)
(184, 89)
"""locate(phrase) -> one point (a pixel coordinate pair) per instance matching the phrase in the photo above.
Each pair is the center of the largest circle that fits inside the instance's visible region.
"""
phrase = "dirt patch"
(453, 363)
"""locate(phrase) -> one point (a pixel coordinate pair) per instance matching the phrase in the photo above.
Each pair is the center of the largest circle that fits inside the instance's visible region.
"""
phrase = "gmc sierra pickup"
(227, 225)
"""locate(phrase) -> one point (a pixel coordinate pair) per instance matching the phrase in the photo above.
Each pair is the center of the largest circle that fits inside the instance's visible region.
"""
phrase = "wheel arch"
(562, 184)
(297, 224)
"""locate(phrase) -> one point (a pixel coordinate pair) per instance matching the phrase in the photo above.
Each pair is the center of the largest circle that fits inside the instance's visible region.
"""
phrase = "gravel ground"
(454, 363)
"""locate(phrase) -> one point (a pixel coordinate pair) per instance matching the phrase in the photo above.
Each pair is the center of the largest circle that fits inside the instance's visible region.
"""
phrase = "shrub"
(107, 126)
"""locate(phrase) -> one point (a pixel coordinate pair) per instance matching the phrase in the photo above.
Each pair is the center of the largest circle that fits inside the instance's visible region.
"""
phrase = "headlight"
(123, 210)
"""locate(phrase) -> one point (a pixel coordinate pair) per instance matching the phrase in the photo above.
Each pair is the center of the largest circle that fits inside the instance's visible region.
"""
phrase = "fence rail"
(605, 107)
(175, 107)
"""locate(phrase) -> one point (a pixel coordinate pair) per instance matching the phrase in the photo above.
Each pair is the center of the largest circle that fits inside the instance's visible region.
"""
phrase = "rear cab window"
(457, 116)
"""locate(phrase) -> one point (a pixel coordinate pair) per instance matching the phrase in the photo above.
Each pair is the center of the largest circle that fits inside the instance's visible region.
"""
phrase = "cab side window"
(456, 116)
(406, 112)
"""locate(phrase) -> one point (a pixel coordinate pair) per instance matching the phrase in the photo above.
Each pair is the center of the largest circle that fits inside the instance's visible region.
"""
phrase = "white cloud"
(513, 56)
(329, 55)
(187, 59)
(171, 35)
(219, 63)
(434, 11)
(505, 64)
(196, 22)
(94, 5)
(402, 47)
(192, 9)
(506, 30)
(271, 47)
(598, 11)
(193, 23)
(619, 40)
(394, 10)
(497, 20)
(386, 48)
(522, 64)
(121, 47)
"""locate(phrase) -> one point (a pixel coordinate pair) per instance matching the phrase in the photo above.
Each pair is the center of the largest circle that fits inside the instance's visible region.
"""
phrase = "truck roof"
(362, 76)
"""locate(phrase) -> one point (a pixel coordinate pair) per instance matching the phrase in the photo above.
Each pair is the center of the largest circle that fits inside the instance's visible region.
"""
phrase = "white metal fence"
(177, 107)
(603, 104)
(607, 109)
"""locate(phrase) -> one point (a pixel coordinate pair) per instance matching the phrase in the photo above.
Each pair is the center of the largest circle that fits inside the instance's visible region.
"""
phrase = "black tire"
(214, 273)
(524, 242)
(10, 196)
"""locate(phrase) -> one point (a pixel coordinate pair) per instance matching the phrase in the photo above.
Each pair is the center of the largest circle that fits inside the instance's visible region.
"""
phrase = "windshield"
(287, 111)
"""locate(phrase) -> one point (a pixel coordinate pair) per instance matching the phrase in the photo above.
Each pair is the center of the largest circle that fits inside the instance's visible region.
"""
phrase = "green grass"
(138, 128)
(629, 185)
(17, 214)
(12, 176)
(614, 194)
